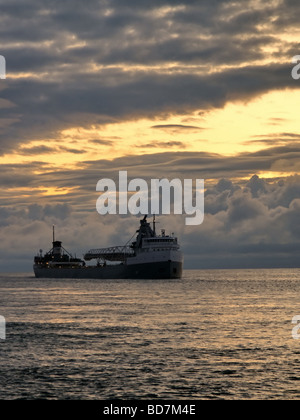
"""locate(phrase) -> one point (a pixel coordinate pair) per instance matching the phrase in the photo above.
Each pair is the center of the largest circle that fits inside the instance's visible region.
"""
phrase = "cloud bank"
(254, 224)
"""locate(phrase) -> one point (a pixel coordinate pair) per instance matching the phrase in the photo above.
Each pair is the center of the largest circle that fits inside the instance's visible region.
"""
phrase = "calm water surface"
(214, 334)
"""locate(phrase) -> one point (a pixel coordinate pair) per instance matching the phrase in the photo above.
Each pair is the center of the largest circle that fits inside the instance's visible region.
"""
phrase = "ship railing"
(113, 253)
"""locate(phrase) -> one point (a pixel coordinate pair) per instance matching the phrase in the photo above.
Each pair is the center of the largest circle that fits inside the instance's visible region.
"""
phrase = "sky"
(162, 89)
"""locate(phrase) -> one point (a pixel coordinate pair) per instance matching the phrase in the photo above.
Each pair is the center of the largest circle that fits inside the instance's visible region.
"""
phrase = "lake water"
(214, 334)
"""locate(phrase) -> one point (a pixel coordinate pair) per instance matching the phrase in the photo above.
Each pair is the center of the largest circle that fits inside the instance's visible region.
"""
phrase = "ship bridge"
(113, 253)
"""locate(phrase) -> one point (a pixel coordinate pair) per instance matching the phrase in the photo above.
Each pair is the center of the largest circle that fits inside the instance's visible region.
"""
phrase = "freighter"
(150, 256)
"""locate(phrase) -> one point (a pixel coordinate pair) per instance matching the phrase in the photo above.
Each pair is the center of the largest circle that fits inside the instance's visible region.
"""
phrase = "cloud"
(254, 224)
(102, 142)
(110, 61)
(275, 139)
(38, 212)
(42, 149)
(36, 150)
(163, 144)
(47, 108)
(249, 227)
(176, 128)
(70, 150)
(27, 183)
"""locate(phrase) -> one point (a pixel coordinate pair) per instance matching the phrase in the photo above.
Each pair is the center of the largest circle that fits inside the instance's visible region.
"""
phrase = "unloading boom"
(113, 253)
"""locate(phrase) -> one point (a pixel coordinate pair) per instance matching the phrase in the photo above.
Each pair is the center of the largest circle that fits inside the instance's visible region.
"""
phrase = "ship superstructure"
(148, 256)
(57, 257)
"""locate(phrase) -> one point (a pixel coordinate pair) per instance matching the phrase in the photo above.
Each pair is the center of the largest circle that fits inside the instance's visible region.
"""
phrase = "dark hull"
(158, 270)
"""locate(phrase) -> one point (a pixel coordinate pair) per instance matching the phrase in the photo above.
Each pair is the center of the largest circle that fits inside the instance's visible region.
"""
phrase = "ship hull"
(157, 270)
